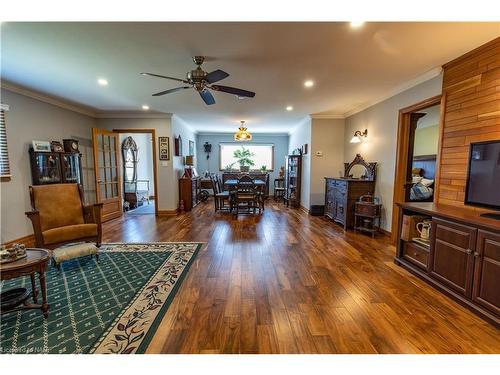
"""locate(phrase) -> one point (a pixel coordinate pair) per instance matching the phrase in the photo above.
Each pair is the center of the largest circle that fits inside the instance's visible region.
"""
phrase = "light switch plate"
(164, 163)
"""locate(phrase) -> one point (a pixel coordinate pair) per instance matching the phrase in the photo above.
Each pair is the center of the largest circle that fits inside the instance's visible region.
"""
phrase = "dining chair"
(220, 196)
(247, 196)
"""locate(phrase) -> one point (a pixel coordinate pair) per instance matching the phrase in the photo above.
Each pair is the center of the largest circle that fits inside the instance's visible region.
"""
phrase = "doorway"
(115, 179)
(417, 156)
(138, 162)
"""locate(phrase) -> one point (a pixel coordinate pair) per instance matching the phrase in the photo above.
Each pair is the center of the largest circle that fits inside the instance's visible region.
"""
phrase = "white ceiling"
(350, 67)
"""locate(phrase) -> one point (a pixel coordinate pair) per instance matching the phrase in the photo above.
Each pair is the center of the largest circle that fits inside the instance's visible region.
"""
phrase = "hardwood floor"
(286, 282)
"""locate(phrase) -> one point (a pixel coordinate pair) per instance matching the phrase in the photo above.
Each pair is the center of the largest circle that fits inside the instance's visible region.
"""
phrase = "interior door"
(414, 117)
(107, 172)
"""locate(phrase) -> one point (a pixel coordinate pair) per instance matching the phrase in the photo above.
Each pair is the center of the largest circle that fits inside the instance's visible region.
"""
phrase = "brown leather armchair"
(59, 216)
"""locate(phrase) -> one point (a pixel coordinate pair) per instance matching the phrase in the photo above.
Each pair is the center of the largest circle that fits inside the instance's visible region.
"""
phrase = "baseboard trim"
(167, 213)
(28, 241)
(385, 232)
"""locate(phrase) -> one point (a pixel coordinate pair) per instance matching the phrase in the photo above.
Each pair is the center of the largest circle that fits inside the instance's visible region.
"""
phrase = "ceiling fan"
(202, 82)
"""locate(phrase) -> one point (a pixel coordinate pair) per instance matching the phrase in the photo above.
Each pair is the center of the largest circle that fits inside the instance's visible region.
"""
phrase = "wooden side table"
(36, 261)
(369, 214)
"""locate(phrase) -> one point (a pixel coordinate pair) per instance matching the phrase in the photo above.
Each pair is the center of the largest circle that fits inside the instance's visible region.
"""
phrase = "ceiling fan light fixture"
(242, 135)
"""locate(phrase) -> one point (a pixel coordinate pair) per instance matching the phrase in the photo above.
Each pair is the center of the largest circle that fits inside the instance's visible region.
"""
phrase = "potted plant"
(263, 169)
(244, 159)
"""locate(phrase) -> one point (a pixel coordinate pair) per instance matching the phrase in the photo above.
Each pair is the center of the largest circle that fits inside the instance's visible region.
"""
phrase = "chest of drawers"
(341, 195)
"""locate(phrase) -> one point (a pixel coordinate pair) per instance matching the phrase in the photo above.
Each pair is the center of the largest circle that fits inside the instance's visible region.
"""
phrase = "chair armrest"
(34, 216)
(92, 213)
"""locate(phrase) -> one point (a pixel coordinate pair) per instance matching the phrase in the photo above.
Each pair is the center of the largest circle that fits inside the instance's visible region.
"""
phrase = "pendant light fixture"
(242, 134)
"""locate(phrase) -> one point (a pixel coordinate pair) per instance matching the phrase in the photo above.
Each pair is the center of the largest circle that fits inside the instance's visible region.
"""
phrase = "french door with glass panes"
(107, 172)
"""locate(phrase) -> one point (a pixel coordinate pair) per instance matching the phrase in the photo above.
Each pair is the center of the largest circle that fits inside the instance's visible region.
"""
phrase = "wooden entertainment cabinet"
(462, 259)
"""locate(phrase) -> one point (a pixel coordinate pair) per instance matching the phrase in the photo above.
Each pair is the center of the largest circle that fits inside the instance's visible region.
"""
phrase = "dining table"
(232, 185)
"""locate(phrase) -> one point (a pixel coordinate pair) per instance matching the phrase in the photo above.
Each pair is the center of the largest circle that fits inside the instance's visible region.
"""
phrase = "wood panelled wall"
(471, 85)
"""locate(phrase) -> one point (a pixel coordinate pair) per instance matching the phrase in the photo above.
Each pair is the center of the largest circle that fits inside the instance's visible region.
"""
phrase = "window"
(254, 155)
(4, 154)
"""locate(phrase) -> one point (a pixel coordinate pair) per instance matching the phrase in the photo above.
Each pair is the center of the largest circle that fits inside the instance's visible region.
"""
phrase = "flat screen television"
(482, 188)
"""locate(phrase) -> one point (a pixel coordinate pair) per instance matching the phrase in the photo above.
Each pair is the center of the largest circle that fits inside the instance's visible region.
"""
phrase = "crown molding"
(320, 116)
(399, 89)
(132, 114)
(75, 107)
(88, 111)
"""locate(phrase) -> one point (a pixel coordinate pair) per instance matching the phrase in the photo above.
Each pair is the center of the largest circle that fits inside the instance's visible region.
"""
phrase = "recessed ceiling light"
(145, 107)
(356, 24)
(289, 108)
(102, 82)
(308, 83)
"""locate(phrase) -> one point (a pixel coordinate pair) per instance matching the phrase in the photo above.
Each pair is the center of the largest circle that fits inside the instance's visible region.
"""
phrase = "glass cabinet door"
(46, 168)
(71, 168)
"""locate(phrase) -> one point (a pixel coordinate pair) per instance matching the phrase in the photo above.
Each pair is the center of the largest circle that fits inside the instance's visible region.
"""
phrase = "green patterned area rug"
(111, 307)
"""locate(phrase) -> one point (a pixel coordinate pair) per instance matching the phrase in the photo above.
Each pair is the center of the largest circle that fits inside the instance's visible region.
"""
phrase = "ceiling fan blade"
(171, 90)
(233, 90)
(207, 97)
(216, 75)
(160, 76)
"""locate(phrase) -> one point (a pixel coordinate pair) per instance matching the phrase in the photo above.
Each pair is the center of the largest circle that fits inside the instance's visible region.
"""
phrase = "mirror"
(129, 166)
(129, 155)
(357, 171)
(360, 169)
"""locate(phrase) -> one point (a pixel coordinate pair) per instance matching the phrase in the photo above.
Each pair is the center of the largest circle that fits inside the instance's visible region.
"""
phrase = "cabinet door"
(340, 203)
(486, 288)
(330, 199)
(452, 258)
(340, 208)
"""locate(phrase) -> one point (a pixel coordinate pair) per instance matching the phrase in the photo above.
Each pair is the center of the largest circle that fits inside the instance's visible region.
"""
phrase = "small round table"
(36, 261)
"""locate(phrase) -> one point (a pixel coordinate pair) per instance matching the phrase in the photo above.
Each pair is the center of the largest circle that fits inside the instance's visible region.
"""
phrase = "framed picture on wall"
(191, 147)
(178, 146)
(164, 148)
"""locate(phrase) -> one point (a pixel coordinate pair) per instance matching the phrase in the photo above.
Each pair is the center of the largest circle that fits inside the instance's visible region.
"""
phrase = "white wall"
(180, 127)
(30, 119)
(381, 120)
(297, 138)
(144, 157)
(327, 136)
(163, 128)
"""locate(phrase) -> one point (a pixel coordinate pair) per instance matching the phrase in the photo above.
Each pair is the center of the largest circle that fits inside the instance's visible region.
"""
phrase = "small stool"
(64, 253)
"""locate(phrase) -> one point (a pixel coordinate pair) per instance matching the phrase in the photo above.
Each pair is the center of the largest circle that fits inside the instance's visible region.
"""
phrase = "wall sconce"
(358, 136)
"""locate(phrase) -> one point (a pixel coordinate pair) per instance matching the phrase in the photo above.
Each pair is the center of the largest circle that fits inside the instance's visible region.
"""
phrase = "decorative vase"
(244, 168)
